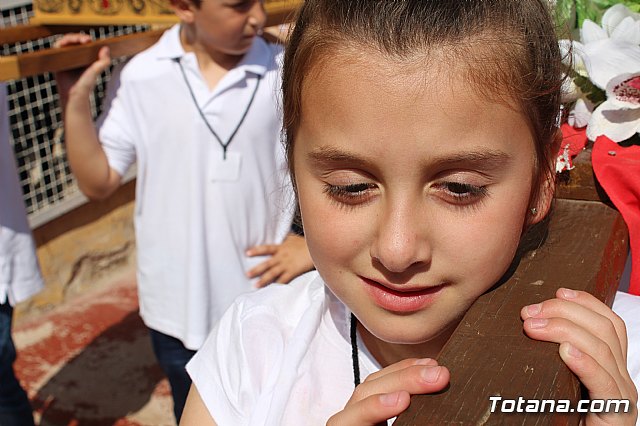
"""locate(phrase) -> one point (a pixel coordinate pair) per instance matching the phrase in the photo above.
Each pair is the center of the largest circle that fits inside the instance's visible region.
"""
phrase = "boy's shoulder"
(263, 55)
(153, 60)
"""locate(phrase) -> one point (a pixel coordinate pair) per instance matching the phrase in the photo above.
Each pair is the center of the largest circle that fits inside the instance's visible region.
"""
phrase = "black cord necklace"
(354, 351)
(193, 97)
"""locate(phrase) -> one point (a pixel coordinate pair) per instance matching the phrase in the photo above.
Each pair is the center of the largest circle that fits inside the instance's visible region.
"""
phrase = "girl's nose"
(401, 241)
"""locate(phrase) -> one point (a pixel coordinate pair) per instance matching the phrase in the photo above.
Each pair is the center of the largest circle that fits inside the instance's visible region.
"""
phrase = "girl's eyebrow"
(486, 159)
(329, 156)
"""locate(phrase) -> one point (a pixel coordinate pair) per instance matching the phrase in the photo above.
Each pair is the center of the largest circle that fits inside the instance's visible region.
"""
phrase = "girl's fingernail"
(390, 399)
(575, 352)
(534, 309)
(424, 361)
(538, 322)
(567, 293)
(431, 374)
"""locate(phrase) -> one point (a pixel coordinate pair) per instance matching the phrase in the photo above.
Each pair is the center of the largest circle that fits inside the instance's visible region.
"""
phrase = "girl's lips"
(400, 301)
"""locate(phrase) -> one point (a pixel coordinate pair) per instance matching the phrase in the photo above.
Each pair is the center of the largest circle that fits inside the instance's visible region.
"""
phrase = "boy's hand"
(593, 344)
(386, 394)
(287, 261)
(83, 80)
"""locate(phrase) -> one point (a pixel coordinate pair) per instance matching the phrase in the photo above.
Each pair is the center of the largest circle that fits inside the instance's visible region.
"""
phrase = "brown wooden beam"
(66, 58)
(489, 355)
(580, 183)
(22, 33)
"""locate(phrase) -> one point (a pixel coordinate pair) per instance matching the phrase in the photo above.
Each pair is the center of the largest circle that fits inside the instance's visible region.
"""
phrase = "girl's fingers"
(372, 410)
(600, 383)
(590, 313)
(602, 386)
(593, 344)
(591, 302)
(563, 331)
(385, 394)
(401, 365)
(416, 379)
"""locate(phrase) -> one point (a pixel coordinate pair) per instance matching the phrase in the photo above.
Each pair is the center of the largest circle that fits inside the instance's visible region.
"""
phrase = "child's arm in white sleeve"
(87, 159)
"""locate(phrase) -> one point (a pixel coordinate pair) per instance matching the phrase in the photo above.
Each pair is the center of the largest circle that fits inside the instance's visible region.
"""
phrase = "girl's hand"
(83, 80)
(385, 394)
(593, 344)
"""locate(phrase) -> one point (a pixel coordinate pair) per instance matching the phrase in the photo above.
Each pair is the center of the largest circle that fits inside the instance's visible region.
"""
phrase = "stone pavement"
(88, 361)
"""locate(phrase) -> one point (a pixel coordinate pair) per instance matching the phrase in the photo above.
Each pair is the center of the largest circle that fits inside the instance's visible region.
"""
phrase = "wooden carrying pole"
(489, 355)
(61, 59)
(66, 58)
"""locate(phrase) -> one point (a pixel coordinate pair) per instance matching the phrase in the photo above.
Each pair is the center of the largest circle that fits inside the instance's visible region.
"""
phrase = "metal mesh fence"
(36, 121)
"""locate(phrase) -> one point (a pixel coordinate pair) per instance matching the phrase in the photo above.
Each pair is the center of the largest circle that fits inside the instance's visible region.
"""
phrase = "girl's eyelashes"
(457, 193)
(461, 193)
(350, 194)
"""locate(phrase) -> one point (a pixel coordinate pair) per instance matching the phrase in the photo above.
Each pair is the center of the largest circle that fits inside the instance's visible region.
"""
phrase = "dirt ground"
(88, 361)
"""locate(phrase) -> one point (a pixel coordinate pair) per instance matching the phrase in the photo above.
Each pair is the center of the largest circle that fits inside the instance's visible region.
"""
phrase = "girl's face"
(414, 191)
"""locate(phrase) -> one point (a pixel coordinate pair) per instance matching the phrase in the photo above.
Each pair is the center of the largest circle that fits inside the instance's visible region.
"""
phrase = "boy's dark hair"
(509, 48)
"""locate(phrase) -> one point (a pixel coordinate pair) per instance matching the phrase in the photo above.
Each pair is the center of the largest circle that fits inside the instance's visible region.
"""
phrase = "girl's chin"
(410, 335)
(427, 340)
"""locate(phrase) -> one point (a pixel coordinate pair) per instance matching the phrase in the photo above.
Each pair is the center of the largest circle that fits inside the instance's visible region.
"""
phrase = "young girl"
(420, 137)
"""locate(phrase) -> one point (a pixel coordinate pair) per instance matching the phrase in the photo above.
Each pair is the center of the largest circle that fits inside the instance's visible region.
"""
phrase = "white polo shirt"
(196, 213)
(19, 271)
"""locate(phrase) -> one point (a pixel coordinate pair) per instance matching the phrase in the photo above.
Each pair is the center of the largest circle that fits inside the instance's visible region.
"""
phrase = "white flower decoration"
(609, 56)
(618, 118)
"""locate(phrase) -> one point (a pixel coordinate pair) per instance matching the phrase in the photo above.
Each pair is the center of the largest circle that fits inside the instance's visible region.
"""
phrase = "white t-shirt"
(19, 270)
(282, 356)
(196, 215)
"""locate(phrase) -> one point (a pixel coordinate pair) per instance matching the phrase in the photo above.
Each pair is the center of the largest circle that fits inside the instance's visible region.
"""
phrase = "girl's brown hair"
(509, 48)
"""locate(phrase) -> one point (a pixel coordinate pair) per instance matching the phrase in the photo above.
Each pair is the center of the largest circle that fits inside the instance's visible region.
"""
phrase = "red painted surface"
(89, 362)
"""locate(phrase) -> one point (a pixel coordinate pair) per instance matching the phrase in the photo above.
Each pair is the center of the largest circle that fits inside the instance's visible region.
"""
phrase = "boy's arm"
(87, 159)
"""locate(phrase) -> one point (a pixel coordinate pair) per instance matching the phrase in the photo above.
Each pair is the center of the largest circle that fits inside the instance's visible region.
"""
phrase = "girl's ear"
(542, 203)
(184, 10)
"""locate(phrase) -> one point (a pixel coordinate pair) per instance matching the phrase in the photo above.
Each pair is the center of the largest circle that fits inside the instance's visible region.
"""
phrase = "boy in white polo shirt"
(198, 112)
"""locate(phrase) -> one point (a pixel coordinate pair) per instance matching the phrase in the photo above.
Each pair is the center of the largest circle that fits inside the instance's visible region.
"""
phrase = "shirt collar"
(255, 61)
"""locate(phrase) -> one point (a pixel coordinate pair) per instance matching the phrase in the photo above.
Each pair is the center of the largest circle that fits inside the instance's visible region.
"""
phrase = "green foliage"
(570, 14)
(591, 92)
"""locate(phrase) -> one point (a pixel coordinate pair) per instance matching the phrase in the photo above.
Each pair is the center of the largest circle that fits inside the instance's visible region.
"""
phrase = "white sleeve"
(116, 132)
(233, 366)
(627, 307)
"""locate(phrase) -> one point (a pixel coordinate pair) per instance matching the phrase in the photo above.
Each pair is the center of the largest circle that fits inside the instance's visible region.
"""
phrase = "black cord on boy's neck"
(354, 351)
(223, 145)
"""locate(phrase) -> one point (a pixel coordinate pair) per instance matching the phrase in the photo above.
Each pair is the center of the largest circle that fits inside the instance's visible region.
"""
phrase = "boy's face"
(414, 192)
(228, 26)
